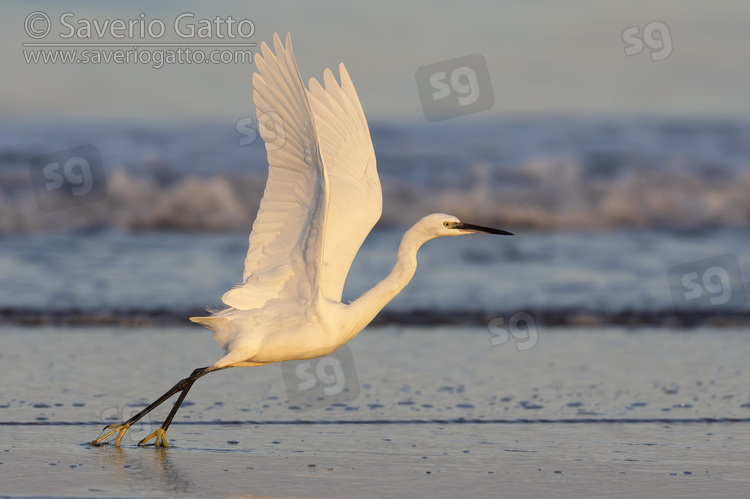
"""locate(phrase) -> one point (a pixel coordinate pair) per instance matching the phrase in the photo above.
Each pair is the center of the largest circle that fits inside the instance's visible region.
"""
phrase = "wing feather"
(355, 199)
(289, 211)
(323, 194)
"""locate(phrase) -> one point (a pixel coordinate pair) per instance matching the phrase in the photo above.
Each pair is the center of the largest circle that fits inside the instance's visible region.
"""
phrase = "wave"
(539, 175)
(542, 194)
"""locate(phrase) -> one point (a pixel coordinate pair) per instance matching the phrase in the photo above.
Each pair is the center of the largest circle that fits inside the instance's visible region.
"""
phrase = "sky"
(687, 58)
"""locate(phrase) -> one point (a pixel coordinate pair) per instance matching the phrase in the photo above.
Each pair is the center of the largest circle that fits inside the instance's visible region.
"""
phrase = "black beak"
(479, 228)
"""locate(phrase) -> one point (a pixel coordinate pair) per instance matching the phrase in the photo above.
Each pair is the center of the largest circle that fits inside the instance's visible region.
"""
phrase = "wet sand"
(440, 412)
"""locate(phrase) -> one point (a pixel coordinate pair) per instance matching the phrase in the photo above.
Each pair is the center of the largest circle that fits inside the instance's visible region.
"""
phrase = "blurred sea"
(626, 232)
(602, 208)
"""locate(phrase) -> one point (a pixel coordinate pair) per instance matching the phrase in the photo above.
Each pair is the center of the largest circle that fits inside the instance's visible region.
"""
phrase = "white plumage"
(322, 198)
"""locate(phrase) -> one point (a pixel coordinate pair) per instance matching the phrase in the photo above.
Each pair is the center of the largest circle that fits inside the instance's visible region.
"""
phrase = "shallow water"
(539, 460)
(439, 411)
(182, 273)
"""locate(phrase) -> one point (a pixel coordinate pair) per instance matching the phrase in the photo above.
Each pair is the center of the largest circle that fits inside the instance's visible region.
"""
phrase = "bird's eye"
(447, 224)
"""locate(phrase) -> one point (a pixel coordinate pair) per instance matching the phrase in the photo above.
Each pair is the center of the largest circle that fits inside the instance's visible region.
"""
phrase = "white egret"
(322, 198)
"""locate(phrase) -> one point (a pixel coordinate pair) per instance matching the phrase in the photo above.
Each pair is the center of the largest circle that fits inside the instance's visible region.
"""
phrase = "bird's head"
(440, 224)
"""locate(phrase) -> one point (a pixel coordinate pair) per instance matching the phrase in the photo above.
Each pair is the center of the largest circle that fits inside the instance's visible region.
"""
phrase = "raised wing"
(355, 200)
(323, 195)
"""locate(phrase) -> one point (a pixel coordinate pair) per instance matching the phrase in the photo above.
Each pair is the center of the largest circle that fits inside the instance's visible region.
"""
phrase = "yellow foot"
(160, 437)
(122, 428)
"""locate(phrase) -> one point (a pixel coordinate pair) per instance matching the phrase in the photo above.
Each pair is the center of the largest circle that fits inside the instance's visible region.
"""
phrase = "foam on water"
(545, 173)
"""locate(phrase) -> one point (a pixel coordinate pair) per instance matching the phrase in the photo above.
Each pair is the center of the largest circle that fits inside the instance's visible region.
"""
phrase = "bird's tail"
(220, 326)
(212, 323)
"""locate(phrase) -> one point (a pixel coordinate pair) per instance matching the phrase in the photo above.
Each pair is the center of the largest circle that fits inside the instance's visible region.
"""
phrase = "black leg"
(175, 407)
(182, 386)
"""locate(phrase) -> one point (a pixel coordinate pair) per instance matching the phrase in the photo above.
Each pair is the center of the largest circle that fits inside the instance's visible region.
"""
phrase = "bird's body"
(322, 198)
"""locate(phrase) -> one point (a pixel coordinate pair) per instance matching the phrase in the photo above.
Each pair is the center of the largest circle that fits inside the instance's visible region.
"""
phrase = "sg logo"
(661, 45)
(317, 383)
(521, 327)
(68, 178)
(269, 126)
(456, 87)
(463, 81)
(713, 282)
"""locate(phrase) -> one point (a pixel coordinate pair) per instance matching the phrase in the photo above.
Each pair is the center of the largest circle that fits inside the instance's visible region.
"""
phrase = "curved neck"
(366, 307)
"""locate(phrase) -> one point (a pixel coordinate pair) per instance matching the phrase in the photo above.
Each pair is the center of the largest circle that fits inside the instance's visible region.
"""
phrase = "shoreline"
(573, 317)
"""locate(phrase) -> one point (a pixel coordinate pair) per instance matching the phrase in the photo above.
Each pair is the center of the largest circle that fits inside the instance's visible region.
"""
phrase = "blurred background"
(613, 137)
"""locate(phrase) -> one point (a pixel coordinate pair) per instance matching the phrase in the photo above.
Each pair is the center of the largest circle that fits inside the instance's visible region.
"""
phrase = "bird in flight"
(322, 198)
